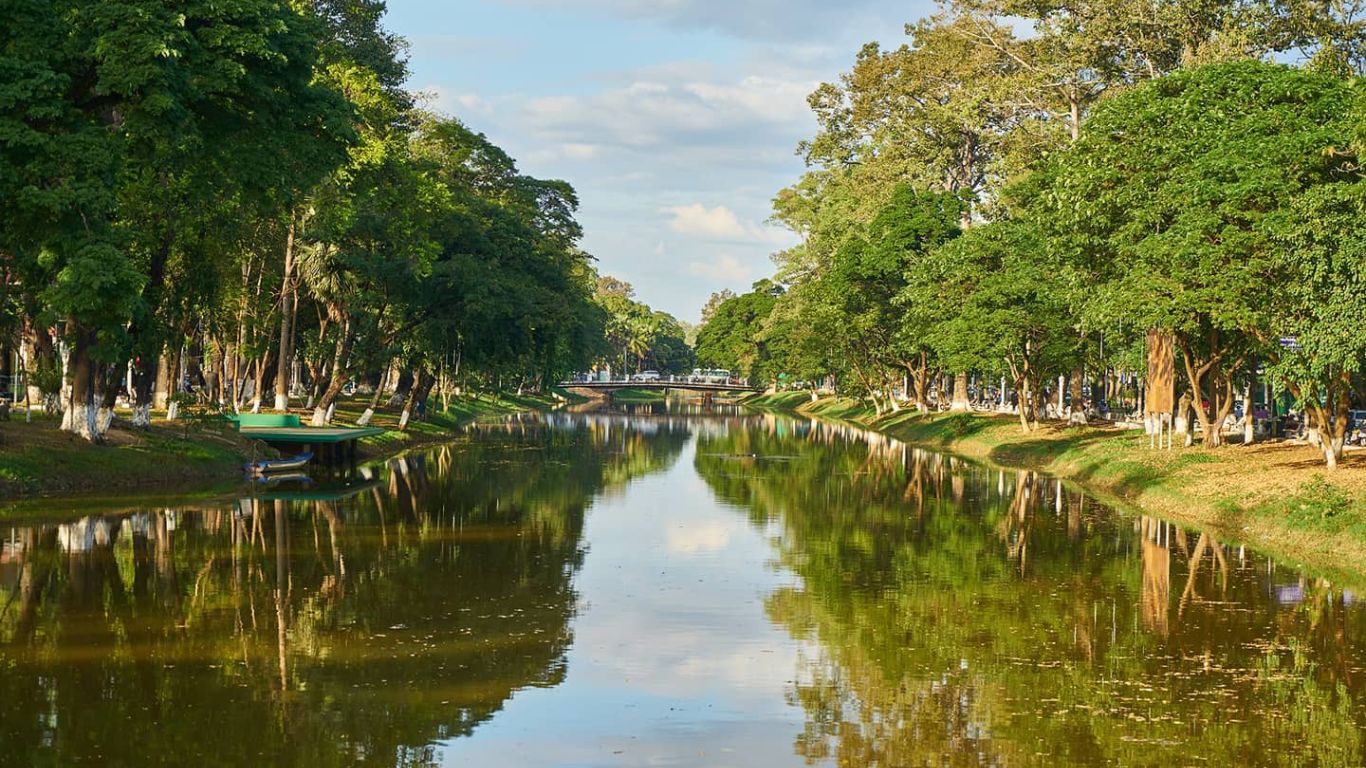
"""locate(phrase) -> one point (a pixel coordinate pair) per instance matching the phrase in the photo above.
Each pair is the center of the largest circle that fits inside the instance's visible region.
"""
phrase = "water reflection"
(653, 585)
(976, 617)
(303, 628)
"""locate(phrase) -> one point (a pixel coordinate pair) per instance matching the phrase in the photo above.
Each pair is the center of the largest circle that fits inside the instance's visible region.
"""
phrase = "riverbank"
(440, 425)
(187, 457)
(39, 460)
(1276, 497)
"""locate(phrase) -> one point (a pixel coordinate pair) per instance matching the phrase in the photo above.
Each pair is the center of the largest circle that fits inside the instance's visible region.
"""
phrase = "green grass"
(1321, 506)
(39, 459)
(440, 424)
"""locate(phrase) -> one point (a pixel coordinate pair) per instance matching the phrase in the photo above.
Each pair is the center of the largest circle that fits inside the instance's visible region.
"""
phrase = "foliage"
(234, 191)
(732, 334)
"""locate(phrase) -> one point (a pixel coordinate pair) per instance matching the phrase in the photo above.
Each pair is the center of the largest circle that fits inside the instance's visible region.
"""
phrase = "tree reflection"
(968, 616)
(309, 629)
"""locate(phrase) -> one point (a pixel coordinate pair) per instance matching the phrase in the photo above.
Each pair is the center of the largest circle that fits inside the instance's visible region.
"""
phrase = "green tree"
(1007, 308)
(733, 335)
(1164, 198)
(1320, 300)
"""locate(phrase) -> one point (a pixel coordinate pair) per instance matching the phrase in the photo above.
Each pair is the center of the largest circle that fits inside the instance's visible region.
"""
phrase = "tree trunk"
(417, 394)
(1076, 414)
(286, 350)
(1327, 422)
(172, 357)
(82, 409)
(322, 411)
(108, 393)
(162, 381)
(960, 393)
(918, 381)
(1207, 377)
(145, 377)
(375, 397)
(258, 376)
(1026, 393)
(402, 388)
(1182, 423)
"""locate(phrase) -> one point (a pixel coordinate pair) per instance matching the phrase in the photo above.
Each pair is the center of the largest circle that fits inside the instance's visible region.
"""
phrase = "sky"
(676, 120)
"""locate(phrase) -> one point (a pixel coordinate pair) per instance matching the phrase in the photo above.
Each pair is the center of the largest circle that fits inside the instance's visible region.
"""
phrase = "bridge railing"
(663, 381)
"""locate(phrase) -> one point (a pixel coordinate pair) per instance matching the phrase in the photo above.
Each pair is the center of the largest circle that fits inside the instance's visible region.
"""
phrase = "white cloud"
(458, 104)
(786, 20)
(684, 109)
(698, 220)
(724, 268)
(720, 223)
(578, 151)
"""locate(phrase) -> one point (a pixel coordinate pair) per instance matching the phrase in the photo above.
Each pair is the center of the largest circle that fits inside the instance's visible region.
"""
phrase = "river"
(666, 587)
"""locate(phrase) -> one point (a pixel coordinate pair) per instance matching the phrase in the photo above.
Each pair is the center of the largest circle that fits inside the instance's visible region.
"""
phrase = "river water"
(666, 588)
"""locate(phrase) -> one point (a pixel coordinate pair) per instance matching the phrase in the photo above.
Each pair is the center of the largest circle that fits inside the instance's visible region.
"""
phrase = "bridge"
(659, 385)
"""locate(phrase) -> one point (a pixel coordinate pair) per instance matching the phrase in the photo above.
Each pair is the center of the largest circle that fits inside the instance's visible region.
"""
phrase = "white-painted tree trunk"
(173, 411)
(142, 415)
(1333, 449)
(403, 419)
(103, 420)
(319, 418)
(331, 411)
(80, 418)
(960, 401)
(281, 402)
(364, 419)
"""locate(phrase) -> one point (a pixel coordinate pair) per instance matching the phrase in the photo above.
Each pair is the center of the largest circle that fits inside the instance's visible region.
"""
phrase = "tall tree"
(1167, 192)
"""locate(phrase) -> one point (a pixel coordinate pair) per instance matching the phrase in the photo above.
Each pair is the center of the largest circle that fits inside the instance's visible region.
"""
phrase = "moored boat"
(267, 466)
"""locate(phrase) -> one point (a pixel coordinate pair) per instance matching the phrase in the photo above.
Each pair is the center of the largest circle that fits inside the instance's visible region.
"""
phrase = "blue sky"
(676, 120)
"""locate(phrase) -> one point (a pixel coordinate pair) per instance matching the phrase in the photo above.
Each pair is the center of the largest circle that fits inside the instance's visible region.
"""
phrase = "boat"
(266, 466)
(285, 478)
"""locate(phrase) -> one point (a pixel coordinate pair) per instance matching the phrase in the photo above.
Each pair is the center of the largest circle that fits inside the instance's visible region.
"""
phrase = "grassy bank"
(1276, 497)
(439, 423)
(38, 460)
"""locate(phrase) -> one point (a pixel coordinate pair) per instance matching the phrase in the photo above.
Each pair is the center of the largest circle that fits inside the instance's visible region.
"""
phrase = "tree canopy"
(983, 203)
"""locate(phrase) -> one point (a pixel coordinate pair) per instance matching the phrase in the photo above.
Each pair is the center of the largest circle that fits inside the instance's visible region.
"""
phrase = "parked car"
(1356, 419)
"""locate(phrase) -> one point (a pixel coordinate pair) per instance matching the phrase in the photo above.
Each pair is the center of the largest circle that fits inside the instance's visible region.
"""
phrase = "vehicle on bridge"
(711, 376)
(646, 376)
